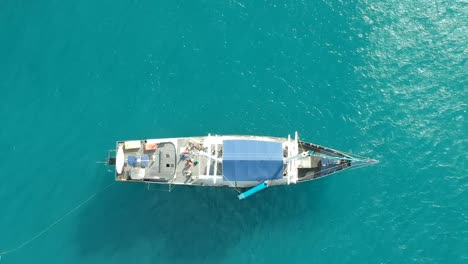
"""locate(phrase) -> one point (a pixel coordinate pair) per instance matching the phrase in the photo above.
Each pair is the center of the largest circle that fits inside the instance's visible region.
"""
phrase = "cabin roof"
(252, 160)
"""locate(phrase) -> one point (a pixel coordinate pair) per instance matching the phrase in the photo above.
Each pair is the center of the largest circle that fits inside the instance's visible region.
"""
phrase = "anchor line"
(60, 219)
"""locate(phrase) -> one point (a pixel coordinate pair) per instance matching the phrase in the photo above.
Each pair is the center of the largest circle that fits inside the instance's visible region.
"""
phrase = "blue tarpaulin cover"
(142, 161)
(252, 160)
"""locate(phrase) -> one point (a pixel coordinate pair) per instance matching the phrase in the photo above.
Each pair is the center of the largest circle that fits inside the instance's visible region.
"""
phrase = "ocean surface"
(382, 79)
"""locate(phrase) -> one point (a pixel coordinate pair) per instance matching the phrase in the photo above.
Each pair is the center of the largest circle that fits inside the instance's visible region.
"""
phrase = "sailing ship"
(249, 163)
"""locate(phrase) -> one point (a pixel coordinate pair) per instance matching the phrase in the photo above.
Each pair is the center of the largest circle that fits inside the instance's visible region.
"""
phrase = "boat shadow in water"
(187, 225)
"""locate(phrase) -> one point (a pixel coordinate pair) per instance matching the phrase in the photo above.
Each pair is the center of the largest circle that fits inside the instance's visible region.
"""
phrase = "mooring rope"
(43, 231)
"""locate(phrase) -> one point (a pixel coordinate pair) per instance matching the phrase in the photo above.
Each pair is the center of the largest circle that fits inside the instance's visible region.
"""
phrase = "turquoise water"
(385, 80)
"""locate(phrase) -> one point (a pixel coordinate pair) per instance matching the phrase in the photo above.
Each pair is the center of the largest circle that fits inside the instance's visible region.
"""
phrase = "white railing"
(216, 162)
(208, 162)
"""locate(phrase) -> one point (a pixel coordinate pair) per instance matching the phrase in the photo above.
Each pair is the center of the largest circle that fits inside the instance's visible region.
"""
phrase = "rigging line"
(343, 169)
(237, 189)
(55, 222)
(234, 185)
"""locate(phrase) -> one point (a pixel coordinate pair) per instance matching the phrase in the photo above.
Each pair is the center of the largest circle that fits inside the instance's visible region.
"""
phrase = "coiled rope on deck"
(49, 227)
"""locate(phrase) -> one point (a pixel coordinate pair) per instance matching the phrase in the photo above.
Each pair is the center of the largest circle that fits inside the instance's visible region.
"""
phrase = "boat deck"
(199, 161)
(186, 161)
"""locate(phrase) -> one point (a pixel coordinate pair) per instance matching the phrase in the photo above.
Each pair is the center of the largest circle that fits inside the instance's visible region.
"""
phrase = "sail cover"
(252, 160)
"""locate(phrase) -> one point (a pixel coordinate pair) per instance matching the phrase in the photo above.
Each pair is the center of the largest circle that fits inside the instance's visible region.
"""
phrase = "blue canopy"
(252, 160)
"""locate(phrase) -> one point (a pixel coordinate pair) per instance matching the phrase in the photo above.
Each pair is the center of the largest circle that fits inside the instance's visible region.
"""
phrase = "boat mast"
(293, 149)
(289, 155)
(295, 152)
(302, 155)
